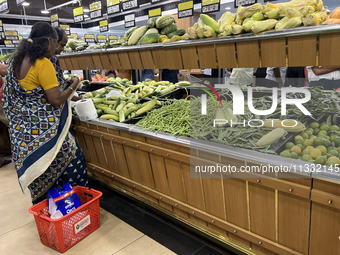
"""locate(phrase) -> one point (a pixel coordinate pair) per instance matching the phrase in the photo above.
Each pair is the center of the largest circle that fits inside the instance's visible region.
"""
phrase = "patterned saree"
(44, 152)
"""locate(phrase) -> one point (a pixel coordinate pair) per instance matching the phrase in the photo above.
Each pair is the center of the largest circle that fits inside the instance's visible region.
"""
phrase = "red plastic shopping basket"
(63, 233)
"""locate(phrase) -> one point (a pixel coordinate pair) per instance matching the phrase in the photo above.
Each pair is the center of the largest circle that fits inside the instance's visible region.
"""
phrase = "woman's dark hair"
(60, 33)
(36, 46)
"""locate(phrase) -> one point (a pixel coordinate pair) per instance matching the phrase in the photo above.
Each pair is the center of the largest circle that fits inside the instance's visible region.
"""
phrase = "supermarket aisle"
(18, 232)
(125, 229)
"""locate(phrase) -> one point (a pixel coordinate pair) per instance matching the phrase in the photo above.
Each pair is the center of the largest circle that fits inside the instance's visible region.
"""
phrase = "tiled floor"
(18, 232)
(126, 227)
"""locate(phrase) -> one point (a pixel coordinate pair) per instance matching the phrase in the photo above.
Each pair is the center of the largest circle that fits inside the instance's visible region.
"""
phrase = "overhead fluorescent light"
(86, 10)
(25, 4)
(45, 11)
(228, 8)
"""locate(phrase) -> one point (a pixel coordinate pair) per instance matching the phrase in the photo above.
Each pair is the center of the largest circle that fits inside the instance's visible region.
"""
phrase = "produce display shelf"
(305, 46)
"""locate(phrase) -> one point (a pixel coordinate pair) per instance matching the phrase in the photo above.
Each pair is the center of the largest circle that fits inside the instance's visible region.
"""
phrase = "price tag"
(20, 37)
(113, 6)
(89, 38)
(73, 36)
(155, 12)
(130, 4)
(101, 38)
(185, 9)
(4, 6)
(11, 35)
(66, 28)
(210, 6)
(1, 27)
(129, 20)
(103, 25)
(19, 2)
(245, 2)
(9, 44)
(78, 14)
(113, 38)
(54, 20)
(96, 10)
(155, 1)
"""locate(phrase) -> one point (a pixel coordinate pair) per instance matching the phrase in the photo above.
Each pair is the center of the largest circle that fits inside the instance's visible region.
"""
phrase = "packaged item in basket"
(62, 201)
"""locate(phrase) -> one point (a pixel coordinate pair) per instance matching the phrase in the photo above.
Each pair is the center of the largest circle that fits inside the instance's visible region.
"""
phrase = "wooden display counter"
(255, 216)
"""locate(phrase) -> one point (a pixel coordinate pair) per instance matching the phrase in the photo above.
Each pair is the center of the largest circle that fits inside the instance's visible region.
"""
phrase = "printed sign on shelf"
(11, 35)
(155, 12)
(78, 14)
(113, 6)
(185, 9)
(210, 6)
(101, 39)
(1, 27)
(129, 20)
(4, 6)
(244, 2)
(130, 4)
(9, 44)
(113, 38)
(55, 20)
(89, 38)
(73, 36)
(96, 10)
(66, 28)
(103, 25)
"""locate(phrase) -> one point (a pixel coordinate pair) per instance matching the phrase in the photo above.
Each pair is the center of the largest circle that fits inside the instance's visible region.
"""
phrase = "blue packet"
(64, 200)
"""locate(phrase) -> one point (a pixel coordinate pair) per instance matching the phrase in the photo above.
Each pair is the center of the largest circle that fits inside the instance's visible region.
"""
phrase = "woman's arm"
(324, 69)
(57, 97)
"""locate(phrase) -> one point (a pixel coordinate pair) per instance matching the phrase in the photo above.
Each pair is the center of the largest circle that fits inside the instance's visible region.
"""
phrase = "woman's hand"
(75, 79)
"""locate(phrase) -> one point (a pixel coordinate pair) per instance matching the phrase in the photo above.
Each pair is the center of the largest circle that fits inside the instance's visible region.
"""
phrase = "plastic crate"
(61, 234)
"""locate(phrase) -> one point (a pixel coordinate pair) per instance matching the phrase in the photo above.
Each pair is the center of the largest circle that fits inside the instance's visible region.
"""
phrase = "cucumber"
(130, 32)
(136, 35)
(152, 22)
(147, 107)
(116, 104)
(130, 110)
(164, 21)
(169, 29)
(112, 112)
(121, 115)
(178, 32)
(165, 91)
(109, 117)
(150, 38)
(121, 106)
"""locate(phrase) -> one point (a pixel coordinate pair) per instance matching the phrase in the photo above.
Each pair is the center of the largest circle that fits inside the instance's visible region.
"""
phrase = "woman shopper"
(44, 152)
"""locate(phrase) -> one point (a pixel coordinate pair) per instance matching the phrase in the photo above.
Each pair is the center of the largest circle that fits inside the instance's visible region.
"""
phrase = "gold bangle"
(71, 88)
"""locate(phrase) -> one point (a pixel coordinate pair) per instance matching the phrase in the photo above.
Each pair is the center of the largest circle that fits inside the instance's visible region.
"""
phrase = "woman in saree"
(44, 152)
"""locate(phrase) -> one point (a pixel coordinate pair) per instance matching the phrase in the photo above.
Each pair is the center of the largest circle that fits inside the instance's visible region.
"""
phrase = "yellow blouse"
(41, 74)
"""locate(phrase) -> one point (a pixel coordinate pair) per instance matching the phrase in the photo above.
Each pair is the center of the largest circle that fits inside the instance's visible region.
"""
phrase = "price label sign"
(210, 6)
(101, 38)
(4, 6)
(54, 20)
(103, 25)
(185, 9)
(155, 12)
(113, 6)
(113, 38)
(129, 20)
(78, 14)
(73, 36)
(245, 2)
(20, 37)
(1, 27)
(96, 10)
(11, 35)
(19, 2)
(66, 28)
(89, 38)
(9, 44)
(130, 4)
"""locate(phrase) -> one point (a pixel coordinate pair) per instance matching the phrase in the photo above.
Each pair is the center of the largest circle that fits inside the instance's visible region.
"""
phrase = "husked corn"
(271, 137)
(238, 20)
(281, 23)
(236, 29)
(191, 31)
(272, 14)
(293, 12)
(291, 23)
(227, 30)
(199, 29)
(227, 19)
(207, 20)
(258, 16)
(250, 10)
(208, 31)
(307, 10)
(263, 25)
(247, 25)
(293, 4)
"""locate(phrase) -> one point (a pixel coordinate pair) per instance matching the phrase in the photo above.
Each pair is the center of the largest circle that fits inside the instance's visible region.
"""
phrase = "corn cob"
(310, 20)
(220, 118)
(263, 25)
(227, 19)
(307, 10)
(272, 14)
(191, 31)
(271, 137)
(291, 23)
(273, 6)
(321, 15)
(208, 31)
(236, 29)
(293, 4)
(229, 116)
(238, 20)
(258, 16)
(247, 25)
(289, 125)
(281, 23)
(250, 10)
(293, 12)
(226, 30)
(199, 29)
(210, 22)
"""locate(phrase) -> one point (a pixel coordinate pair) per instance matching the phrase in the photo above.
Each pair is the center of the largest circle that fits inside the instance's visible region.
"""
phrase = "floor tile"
(206, 250)
(14, 207)
(112, 236)
(8, 178)
(145, 245)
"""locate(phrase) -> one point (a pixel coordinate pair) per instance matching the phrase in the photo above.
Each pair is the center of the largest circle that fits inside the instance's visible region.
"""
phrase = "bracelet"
(71, 88)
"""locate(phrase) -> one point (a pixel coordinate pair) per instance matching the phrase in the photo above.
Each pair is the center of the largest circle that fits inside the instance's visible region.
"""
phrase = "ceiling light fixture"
(25, 4)
(45, 11)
